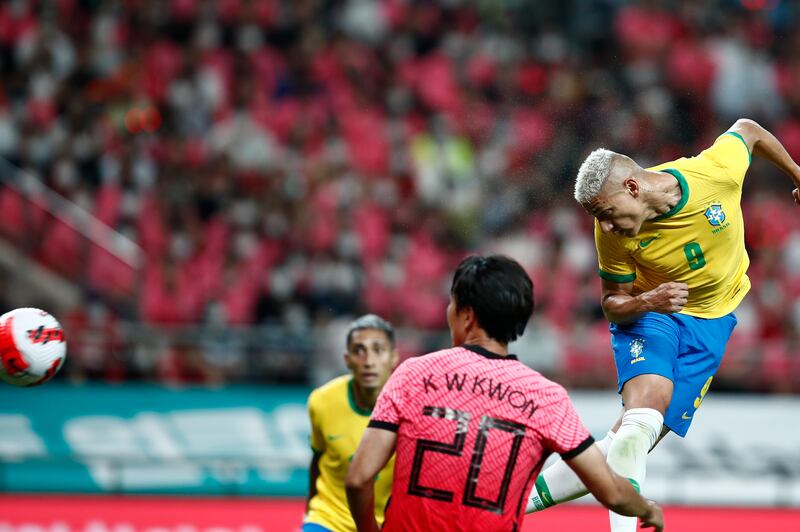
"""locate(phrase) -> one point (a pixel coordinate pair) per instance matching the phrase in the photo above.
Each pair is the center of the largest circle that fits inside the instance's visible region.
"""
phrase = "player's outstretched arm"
(621, 306)
(614, 492)
(762, 143)
(374, 450)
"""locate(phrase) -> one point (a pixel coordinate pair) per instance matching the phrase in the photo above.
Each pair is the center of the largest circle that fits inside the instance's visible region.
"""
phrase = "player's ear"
(632, 186)
(470, 320)
(395, 357)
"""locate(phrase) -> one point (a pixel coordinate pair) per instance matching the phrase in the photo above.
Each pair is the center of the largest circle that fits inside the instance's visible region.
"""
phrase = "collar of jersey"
(488, 354)
(351, 398)
(684, 195)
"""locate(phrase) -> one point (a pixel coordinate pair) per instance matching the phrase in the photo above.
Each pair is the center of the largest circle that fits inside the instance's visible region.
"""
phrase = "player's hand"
(666, 298)
(796, 194)
(654, 518)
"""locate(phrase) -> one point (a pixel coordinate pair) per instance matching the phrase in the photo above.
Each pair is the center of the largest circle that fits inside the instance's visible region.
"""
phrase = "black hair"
(498, 291)
(370, 321)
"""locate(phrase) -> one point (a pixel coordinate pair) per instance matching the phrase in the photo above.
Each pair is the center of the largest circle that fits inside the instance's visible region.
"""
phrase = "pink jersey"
(473, 429)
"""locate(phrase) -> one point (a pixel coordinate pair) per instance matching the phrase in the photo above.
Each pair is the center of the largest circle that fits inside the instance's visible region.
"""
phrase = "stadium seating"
(280, 165)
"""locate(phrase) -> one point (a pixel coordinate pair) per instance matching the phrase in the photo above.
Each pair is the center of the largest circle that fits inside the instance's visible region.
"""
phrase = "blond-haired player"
(670, 241)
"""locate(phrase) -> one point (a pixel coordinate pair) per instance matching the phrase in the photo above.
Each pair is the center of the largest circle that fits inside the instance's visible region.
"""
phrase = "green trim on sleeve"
(738, 136)
(617, 278)
(684, 194)
(351, 398)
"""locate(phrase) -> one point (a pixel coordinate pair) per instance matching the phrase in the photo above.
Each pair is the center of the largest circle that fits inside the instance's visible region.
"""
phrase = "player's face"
(371, 357)
(618, 211)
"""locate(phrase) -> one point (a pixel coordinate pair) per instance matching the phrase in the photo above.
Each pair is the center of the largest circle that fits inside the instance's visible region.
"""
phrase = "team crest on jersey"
(715, 215)
(637, 348)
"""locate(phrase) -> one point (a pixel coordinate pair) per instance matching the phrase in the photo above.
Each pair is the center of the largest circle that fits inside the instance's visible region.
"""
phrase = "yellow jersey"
(337, 425)
(699, 242)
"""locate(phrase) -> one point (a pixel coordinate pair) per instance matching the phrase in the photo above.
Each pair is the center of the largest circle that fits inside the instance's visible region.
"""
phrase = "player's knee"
(640, 427)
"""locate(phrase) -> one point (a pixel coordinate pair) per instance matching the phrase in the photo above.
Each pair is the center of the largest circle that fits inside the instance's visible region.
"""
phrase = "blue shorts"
(313, 527)
(685, 349)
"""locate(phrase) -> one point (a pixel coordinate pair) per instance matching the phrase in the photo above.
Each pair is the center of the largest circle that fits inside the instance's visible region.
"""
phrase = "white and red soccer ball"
(32, 346)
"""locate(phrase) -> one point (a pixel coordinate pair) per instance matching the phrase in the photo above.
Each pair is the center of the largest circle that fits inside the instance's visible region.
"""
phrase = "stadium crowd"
(297, 162)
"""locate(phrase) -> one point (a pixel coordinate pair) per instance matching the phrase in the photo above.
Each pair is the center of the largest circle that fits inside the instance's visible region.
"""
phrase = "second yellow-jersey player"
(339, 412)
(699, 242)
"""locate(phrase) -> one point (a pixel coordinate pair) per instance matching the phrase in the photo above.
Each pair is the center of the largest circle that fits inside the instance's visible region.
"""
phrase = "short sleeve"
(615, 262)
(730, 154)
(566, 433)
(388, 409)
(316, 438)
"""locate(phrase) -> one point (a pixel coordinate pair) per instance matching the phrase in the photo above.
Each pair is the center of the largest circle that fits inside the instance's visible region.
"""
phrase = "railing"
(40, 196)
(193, 353)
(68, 239)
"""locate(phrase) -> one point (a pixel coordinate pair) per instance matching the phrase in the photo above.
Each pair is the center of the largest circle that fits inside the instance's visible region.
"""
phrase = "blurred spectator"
(290, 163)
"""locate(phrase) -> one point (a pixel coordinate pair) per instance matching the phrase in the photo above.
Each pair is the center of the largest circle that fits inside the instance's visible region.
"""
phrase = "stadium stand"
(287, 165)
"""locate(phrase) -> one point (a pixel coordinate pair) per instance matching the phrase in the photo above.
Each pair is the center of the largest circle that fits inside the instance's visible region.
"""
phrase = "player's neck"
(663, 193)
(480, 339)
(365, 399)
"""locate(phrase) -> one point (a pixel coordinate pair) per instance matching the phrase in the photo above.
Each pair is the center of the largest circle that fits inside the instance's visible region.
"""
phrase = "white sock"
(559, 483)
(627, 454)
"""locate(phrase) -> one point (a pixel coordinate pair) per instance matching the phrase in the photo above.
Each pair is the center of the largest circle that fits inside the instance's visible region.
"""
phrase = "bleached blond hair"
(593, 174)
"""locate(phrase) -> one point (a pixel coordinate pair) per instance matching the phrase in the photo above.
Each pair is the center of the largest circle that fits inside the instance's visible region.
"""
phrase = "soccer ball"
(32, 346)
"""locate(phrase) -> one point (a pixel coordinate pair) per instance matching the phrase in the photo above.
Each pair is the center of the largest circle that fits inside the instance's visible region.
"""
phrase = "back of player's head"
(595, 171)
(370, 321)
(498, 291)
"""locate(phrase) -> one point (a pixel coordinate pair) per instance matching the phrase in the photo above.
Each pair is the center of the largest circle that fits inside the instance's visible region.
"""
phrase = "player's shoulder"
(681, 164)
(525, 376)
(707, 162)
(547, 390)
(695, 163)
(336, 387)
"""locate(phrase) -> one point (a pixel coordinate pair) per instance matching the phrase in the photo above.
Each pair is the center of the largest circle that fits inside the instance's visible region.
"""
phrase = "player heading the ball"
(670, 241)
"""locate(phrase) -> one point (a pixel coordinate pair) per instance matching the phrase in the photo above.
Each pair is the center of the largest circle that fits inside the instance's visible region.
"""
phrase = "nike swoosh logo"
(644, 243)
(334, 438)
(684, 416)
